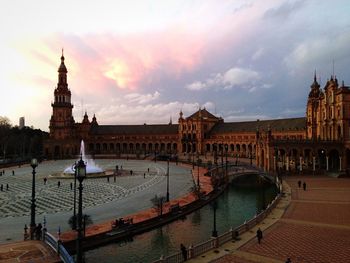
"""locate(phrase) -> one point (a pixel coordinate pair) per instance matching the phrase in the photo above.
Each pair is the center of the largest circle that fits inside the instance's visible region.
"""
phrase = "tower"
(312, 109)
(62, 121)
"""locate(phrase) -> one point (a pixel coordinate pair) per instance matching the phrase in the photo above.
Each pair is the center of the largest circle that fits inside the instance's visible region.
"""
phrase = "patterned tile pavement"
(315, 227)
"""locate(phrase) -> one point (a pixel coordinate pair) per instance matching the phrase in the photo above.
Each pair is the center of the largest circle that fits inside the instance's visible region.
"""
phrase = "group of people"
(2, 187)
(37, 232)
(122, 223)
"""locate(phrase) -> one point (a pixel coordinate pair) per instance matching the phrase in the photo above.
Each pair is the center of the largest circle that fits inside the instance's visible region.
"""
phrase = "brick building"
(319, 141)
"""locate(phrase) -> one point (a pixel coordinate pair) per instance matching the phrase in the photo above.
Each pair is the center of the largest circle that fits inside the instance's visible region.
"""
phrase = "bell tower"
(62, 121)
(312, 109)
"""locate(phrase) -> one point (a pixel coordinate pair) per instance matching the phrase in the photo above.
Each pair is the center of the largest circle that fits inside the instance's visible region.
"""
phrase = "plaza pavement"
(27, 252)
(103, 200)
(311, 226)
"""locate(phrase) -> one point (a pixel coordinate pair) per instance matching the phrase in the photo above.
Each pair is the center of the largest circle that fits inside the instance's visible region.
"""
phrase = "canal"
(234, 206)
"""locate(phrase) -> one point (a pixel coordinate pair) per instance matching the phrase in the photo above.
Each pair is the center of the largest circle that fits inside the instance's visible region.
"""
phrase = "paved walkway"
(27, 252)
(307, 226)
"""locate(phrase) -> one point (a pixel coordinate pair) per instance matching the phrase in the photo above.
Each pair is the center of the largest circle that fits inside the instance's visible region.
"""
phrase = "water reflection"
(234, 207)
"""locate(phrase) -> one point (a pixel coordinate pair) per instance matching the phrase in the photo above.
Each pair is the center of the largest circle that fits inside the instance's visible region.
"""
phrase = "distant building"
(21, 122)
(319, 141)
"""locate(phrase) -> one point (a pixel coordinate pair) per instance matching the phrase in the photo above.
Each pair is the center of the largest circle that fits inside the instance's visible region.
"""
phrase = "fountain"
(91, 168)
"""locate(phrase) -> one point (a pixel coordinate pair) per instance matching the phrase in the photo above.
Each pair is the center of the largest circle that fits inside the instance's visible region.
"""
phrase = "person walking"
(1, 187)
(183, 251)
(45, 180)
(259, 235)
(288, 260)
(7, 187)
(58, 184)
(71, 186)
(304, 186)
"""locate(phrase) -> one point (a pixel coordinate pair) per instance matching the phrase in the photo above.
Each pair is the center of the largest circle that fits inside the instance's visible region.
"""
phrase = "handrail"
(232, 234)
(57, 246)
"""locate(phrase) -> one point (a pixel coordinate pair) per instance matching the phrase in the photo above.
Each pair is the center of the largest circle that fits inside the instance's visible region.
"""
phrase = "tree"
(157, 202)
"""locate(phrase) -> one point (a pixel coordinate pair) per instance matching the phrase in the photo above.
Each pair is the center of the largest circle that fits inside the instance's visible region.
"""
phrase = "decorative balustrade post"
(190, 252)
(215, 242)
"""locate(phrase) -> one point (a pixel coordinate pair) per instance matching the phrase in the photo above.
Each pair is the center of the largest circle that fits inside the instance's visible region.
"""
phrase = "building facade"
(319, 141)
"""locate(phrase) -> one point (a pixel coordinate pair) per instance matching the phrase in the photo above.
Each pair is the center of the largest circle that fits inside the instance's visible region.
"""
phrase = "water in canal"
(237, 204)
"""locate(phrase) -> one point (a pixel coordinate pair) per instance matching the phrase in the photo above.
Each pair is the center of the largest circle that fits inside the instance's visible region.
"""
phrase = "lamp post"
(198, 185)
(226, 164)
(167, 182)
(81, 174)
(74, 225)
(33, 164)
(215, 232)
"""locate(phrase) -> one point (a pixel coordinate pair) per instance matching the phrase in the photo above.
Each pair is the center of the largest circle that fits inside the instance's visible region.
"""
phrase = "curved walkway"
(307, 226)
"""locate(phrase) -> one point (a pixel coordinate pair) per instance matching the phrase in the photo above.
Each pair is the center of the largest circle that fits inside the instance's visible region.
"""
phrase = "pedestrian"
(38, 231)
(58, 184)
(2, 188)
(148, 170)
(114, 178)
(7, 186)
(130, 172)
(108, 179)
(13, 172)
(71, 186)
(288, 260)
(259, 235)
(144, 175)
(0, 173)
(299, 183)
(304, 186)
(45, 179)
(183, 251)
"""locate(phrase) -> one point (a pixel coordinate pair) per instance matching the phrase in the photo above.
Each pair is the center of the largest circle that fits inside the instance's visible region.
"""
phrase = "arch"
(156, 147)
(238, 147)
(175, 147)
(347, 155)
(111, 146)
(144, 146)
(137, 146)
(91, 146)
(334, 161)
(232, 147)
(131, 148)
(104, 147)
(321, 158)
(150, 147)
(117, 146)
(125, 147)
(207, 147)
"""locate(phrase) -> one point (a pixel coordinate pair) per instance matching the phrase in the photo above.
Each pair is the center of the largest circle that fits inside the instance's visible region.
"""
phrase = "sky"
(135, 62)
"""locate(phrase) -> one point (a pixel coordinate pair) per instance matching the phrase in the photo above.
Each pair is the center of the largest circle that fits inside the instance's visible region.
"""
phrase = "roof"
(135, 129)
(292, 124)
(204, 114)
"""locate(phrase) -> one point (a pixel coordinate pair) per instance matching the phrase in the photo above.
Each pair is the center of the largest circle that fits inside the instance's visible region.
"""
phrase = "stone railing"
(57, 246)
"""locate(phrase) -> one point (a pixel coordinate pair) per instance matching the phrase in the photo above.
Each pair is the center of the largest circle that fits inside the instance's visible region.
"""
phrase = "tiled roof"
(135, 129)
(204, 114)
(293, 124)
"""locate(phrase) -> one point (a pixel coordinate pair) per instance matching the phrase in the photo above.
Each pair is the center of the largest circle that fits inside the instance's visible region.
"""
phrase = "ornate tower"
(312, 109)
(62, 121)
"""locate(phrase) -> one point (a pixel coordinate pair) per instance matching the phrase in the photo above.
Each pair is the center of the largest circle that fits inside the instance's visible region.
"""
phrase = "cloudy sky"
(143, 61)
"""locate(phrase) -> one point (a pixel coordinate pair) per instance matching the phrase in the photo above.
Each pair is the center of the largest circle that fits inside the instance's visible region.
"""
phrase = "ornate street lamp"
(33, 164)
(81, 174)
(226, 164)
(167, 183)
(198, 185)
(74, 225)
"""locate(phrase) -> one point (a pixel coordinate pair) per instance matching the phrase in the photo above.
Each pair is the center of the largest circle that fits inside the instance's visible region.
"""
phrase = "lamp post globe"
(33, 164)
(81, 174)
